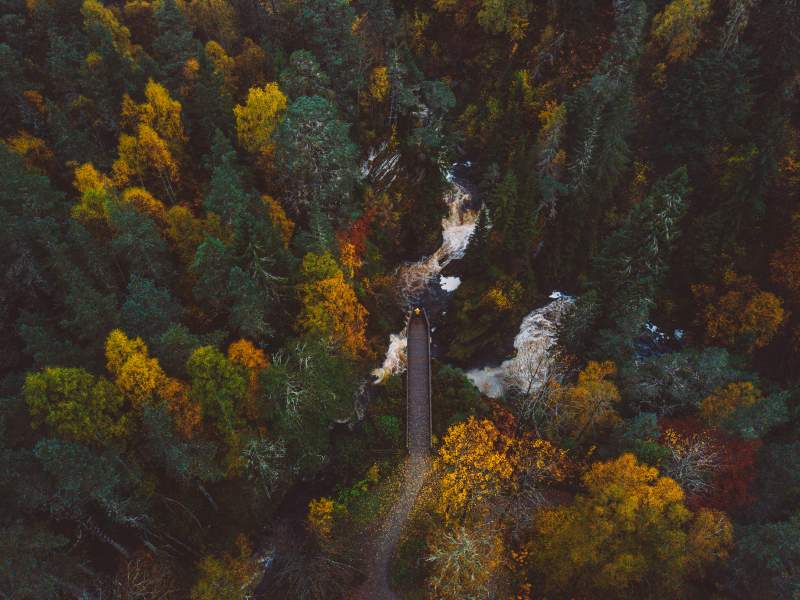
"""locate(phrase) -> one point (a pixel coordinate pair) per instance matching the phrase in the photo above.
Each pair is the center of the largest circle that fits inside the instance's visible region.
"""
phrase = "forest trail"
(416, 465)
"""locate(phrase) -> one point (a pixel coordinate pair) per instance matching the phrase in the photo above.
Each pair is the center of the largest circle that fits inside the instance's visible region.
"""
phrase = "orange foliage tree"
(738, 313)
(245, 353)
(143, 382)
(331, 309)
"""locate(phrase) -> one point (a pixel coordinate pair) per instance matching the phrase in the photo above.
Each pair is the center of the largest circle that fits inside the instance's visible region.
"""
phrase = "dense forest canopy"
(205, 208)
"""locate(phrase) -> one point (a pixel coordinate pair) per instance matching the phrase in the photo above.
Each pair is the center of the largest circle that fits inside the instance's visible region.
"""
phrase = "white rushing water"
(414, 278)
(449, 284)
(533, 359)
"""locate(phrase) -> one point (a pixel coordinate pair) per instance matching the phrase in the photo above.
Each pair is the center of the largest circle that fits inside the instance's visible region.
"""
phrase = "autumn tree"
(231, 576)
(218, 385)
(721, 404)
(737, 313)
(678, 27)
(331, 309)
(320, 517)
(216, 19)
(590, 405)
(75, 405)
(245, 353)
(473, 467)
(258, 118)
(510, 18)
(628, 533)
(692, 462)
(144, 383)
(136, 374)
(96, 191)
(155, 146)
(223, 65)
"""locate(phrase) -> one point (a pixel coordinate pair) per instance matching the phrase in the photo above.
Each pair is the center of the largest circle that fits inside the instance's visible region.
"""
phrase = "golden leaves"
(258, 117)
(331, 309)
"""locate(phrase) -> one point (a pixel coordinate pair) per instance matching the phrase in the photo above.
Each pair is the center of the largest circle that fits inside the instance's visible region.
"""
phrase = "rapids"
(414, 279)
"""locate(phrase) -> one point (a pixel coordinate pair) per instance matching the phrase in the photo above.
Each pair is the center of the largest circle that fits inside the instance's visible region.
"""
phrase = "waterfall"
(533, 359)
(414, 279)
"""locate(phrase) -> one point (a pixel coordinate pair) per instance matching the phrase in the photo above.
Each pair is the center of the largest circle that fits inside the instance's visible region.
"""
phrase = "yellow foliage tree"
(185, 231)
(136, 374)
(157, 143)
(144, 202)
(320, 517)
(139, 155)
(722, 403)
(626, 533)
(216, 19)
(95, 13)
(590, 404)
(379, 83)
(677, 27)
(474, 465)
(230, 577)
(143, 381)
(163, 114)
(224, 65)
(88, 178)
(710, 537)
(331, 309)
(32, 149)
(258, 118)
(119, 348)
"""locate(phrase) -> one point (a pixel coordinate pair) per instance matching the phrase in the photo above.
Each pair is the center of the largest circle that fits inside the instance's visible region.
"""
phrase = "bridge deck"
(418, 388)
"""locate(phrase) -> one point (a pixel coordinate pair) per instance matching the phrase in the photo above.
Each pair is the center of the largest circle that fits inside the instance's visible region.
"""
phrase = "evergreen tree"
(174, 44)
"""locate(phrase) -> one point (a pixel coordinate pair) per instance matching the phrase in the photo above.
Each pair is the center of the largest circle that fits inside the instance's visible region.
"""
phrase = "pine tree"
(174, 44)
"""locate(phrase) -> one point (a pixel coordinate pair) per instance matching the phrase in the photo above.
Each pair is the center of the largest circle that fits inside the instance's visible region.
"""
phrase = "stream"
(422, 283)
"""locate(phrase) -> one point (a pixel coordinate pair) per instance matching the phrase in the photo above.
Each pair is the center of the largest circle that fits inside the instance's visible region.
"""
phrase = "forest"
(216, 215)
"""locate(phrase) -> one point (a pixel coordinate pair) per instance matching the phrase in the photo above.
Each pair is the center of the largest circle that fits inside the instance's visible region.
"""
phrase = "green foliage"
(754, 422)
(318, 159)
(218, 385)
(173, 45)
(766, 559)
(148, 311)
(575, 117)
(310, 388)
(667, 383)
(76, 405)
(455, 398)
(304, 77)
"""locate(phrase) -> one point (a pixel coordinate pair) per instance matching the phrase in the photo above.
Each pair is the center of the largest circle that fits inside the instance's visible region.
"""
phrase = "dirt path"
(415, 467)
